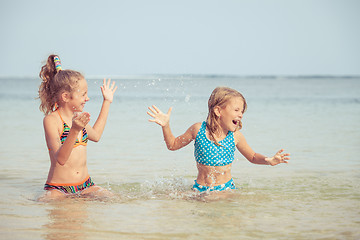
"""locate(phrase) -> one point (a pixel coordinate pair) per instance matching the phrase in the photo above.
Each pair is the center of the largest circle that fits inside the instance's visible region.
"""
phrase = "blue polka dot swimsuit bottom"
(226, 186)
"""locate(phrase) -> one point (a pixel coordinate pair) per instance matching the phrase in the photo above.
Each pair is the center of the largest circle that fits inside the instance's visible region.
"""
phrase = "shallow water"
(315, 196)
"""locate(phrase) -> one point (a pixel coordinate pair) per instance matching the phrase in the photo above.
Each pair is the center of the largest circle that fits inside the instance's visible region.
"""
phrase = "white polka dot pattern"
(208, 153)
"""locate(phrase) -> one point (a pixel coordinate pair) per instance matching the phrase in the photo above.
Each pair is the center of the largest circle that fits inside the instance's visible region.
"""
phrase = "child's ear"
(217, 110)
(65, 96)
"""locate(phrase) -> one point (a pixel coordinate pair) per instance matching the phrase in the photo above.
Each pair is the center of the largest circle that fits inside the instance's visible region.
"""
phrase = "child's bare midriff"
(73, 171)
(213, 175)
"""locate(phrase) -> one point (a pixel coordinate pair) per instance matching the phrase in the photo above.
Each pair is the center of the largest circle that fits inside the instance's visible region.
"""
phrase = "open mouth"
(235, 122)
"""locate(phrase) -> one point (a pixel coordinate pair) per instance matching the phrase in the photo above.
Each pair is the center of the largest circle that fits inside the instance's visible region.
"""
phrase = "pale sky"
(135, 37)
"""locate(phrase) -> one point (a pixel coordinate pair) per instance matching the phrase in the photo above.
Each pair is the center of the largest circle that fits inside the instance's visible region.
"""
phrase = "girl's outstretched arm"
(173, 143)
(107, 89)
(279, 157)
(258, 158)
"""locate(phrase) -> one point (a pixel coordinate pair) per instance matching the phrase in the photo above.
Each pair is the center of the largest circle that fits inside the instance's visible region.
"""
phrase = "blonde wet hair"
(55, 81)
(220, 97)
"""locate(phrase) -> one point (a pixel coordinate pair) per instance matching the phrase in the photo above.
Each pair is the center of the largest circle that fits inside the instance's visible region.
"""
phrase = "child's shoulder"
(238, 136)
(196, 126)
(51, 118)
(194, 129)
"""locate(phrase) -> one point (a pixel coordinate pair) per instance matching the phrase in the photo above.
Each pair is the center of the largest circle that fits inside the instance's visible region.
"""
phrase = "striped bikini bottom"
(70, 188)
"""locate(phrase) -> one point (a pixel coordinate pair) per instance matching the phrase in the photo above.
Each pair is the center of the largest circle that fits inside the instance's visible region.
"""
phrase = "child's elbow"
(95, 138)
(171, 148)
(251, 160)
(61, 161)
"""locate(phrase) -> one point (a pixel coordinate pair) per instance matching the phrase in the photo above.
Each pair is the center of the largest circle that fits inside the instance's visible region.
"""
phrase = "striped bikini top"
(65, 133)
(208, 153)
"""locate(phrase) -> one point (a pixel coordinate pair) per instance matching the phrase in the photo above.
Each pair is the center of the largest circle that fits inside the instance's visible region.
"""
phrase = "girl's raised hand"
(279, 157)
(79, 121)
(107, 90)
(159, 117)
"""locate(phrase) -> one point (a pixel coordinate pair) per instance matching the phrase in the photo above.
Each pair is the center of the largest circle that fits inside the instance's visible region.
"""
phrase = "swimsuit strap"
(60, 115)
(203, 128)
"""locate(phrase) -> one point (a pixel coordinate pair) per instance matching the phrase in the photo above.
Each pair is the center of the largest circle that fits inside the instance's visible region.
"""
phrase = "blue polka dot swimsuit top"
(208, 153)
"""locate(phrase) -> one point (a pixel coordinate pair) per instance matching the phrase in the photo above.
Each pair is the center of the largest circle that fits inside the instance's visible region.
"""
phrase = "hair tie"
(57, 63)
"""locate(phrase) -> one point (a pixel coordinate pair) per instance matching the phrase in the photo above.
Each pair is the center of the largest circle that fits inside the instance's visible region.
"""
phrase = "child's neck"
(220, 134)
(66, 113)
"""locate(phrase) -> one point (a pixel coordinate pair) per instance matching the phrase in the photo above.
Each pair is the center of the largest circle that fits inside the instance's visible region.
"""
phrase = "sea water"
(315, 196)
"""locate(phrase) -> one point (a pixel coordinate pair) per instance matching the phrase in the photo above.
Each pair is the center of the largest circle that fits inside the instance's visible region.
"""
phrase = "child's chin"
(235, 128)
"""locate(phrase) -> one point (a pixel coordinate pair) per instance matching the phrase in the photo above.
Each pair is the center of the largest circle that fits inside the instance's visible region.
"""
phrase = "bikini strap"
(60, 116)
(203, 126)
